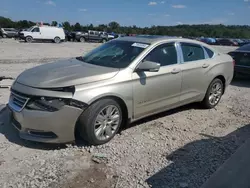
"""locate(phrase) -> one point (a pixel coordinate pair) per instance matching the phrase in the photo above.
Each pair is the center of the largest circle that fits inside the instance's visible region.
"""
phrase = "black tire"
(29, 39)
(87, 120)
(82, 39)
(206, 103)
(57, 40)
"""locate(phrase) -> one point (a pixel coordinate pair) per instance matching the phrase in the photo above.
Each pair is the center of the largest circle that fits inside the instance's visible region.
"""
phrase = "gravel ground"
(178, 148)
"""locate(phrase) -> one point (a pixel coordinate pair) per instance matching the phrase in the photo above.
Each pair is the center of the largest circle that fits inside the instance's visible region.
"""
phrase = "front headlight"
(53, 104)
(46, 104)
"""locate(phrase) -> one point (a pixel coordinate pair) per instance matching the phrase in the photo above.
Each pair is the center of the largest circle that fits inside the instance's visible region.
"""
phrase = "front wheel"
(100, 122)
(213, 94)
(28, 39)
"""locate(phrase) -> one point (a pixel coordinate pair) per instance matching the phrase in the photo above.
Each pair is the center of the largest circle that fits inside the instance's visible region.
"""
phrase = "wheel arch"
(222, 78)
(82, 37)
(119, 100)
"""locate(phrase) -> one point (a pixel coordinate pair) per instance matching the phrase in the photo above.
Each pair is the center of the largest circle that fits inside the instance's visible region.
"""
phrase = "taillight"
(234, 62)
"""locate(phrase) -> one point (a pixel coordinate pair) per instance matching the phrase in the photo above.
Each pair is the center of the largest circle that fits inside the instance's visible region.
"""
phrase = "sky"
(130, 12)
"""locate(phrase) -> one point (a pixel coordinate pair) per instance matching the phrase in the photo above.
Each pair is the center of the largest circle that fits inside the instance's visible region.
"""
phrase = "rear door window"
(210, 53)
(192, 52)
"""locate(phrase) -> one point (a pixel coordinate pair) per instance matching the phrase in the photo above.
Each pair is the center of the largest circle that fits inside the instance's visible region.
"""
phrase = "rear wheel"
(4, 36)
(100, 122)
(214, 94)
(57, 40)
(28, 39)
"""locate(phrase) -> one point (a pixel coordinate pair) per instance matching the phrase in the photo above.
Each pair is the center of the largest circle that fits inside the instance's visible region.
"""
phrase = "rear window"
(210, 53)
(244, 48)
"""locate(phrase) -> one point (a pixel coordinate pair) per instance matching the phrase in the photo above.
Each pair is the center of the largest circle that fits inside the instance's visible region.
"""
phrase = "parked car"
(121, 81)
(210, 41)
(242, 60)
(69, 36)
(110, 36)
(242, 42)
(95, 36)
(8, 32)
(45, 33)
(227, 42)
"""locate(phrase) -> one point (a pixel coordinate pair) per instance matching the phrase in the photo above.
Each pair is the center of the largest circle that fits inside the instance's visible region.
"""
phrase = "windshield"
(30, 28)
(116, 54)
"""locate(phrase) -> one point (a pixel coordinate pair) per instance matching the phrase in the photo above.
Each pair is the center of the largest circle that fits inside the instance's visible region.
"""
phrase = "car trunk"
(242, 61)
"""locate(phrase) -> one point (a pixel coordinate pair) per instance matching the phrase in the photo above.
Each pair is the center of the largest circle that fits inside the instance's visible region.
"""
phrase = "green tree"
(67, 26)
(54, 23)
(114, 25)
(77, 27)
(102, 27)
(206, 30)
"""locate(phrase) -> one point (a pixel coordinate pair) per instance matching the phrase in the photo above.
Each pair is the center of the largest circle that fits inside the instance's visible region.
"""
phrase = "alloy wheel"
(215, 93)
(107, 122)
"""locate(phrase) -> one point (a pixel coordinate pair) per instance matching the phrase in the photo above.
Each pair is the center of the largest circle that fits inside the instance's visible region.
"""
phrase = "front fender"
(121, 90)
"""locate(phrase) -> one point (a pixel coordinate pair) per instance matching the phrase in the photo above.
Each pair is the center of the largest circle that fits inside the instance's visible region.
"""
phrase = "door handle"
(175, 71)
(205, 65)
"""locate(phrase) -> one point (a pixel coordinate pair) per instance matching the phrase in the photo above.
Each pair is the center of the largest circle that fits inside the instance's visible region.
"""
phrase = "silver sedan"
(119, 82)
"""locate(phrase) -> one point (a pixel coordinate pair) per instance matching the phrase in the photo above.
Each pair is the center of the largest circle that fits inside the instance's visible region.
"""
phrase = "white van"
(55, 34)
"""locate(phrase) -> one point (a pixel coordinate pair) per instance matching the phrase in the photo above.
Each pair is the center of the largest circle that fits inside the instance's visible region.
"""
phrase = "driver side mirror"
(149, 66)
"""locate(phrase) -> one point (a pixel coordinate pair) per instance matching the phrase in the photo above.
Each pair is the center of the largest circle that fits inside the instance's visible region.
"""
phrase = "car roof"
(244, 48)
(151, 39)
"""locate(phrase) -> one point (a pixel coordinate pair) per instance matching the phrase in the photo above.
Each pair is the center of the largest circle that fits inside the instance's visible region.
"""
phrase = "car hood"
(25, 32)
(65, 73)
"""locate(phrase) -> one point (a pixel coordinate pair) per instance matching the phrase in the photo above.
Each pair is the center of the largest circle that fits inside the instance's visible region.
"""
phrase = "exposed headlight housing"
(53, 104)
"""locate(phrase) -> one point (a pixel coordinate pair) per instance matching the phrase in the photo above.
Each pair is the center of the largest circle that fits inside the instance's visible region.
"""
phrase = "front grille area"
(17, 100)
(16, 124)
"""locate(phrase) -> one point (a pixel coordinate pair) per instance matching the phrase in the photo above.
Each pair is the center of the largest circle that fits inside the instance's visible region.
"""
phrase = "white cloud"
(179, 6)
(83, 10)
(246, 0)
(152, 3)
(231, 13)
(162, 2)
(215, 21)
(151, 14)
(51, 3)
(166, 15)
